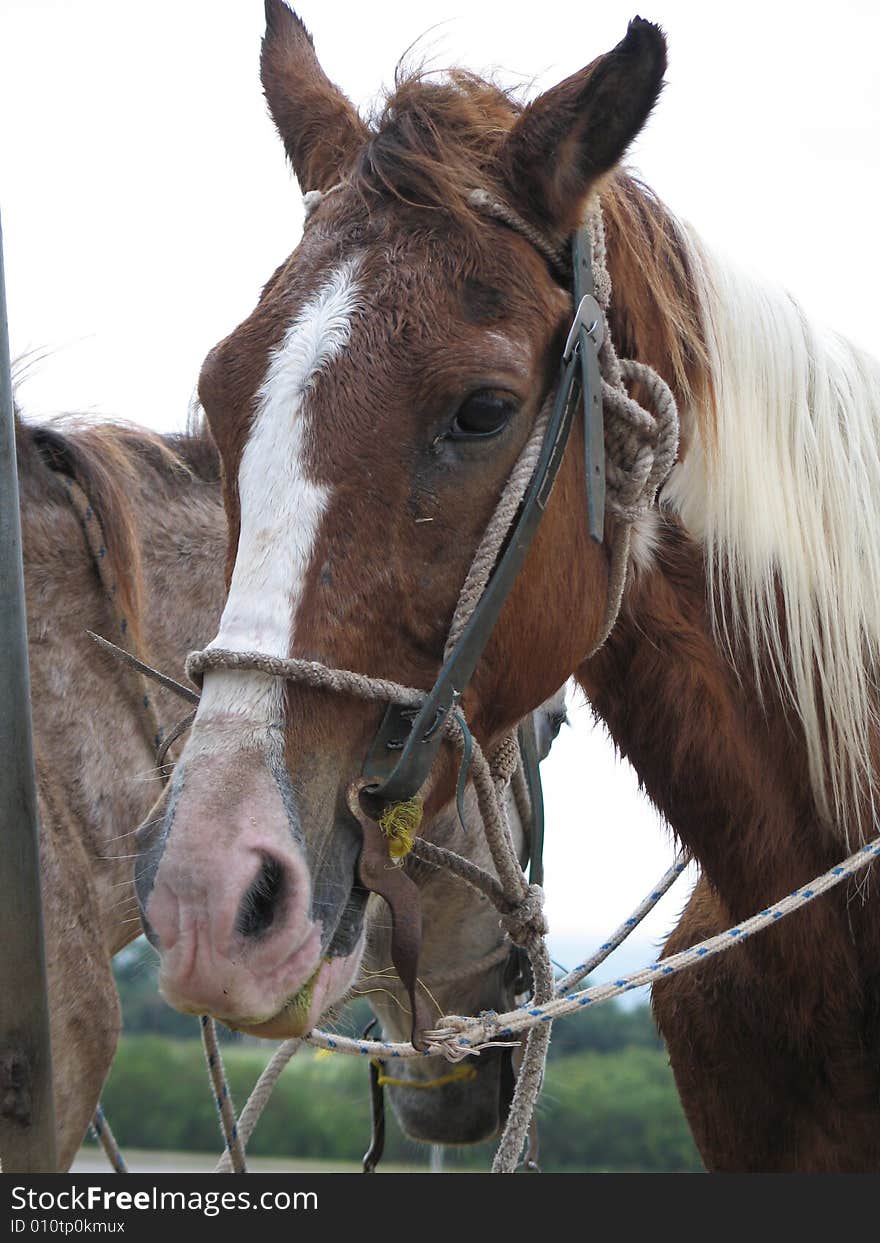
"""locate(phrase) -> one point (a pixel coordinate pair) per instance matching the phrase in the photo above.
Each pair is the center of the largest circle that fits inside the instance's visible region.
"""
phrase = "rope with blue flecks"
(104, 1135)
(437, 856)
(222, 1099)
(518, 1019)
(461, 1036)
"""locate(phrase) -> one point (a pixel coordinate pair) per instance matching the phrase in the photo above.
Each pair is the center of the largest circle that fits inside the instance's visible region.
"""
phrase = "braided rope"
(103, 1133)
(222, 1098)
(258, 1099)
(504, 761)
(499, 524)
(310, 672)
(463, 1036)
(468, 871)
(647, 904)
(483, 201)
(473, 1032)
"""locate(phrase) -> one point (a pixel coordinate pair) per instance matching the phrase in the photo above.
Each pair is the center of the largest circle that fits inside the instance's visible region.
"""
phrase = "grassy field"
(91, 1160)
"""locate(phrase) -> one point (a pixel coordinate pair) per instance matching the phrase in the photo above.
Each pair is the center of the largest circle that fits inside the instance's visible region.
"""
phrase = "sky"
(145, 199)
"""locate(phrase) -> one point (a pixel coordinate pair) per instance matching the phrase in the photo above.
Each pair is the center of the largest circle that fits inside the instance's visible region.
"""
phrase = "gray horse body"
(96, 773)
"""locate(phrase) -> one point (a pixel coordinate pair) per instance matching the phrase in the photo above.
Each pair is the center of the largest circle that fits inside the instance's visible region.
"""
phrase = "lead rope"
(461, 1037)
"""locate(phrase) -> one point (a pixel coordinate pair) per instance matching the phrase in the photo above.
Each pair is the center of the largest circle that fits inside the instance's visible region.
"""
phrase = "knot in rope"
(525, 923)
(504, 761)
(489, 1021)
(641, 444)
(640, 448)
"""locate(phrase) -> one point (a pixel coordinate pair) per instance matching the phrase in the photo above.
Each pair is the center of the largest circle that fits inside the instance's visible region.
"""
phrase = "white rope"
(222, 1097)
(465, 1036)
(258, 1099)
(472, 1033)
(647, 904)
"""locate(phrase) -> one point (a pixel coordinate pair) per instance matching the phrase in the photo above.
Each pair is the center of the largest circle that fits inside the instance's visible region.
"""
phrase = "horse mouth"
(327, 985)
(466, 1111)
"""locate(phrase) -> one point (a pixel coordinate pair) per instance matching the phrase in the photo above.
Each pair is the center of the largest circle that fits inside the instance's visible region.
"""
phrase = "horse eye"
(484, 413)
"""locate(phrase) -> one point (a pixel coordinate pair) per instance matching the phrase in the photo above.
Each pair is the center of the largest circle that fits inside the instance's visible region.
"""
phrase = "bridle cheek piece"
(406, 745)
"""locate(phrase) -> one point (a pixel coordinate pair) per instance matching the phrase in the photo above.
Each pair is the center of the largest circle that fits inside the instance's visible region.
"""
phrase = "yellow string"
(400, 822)
(459, 1074)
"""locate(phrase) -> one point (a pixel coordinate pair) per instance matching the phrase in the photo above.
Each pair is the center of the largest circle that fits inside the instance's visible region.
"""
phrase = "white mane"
(781, 483)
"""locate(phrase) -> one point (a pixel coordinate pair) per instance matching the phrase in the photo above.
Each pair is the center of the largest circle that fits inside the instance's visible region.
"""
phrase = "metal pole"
(27, 1113)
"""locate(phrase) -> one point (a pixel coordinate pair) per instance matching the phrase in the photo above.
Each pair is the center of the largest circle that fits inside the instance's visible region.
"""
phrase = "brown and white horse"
(368, 413)
(161, 514)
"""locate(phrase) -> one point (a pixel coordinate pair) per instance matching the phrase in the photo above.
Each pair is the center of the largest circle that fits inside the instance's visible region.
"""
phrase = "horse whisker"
(118, 836)
(366, 992)
(420, 981)
(127, 898)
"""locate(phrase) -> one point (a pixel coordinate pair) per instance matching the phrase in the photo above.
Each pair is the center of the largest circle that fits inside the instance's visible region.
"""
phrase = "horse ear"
(319, 127)
(569, 136)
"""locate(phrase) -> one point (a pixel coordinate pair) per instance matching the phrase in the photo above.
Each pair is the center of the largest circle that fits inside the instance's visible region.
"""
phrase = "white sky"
(145, 199)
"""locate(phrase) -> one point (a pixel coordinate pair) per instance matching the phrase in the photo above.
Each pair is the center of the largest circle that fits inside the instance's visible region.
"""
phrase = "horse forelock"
(434, 141)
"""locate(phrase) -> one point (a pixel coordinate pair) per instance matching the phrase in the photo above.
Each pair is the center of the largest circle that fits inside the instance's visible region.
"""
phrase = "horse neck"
(724, 764)
(95, 762)
(779, 426)
(182, 532)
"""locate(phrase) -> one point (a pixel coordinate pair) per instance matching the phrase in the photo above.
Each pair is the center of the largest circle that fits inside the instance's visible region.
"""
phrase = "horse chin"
(469, 1111)
(302, 1012)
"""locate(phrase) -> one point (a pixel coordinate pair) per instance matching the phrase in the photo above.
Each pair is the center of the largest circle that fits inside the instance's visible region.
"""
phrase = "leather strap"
(528, 749)
(407, 742)
(404, 902)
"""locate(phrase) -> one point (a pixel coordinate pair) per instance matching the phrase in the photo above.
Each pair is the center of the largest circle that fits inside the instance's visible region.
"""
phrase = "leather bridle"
(406, 745)
(409, 738)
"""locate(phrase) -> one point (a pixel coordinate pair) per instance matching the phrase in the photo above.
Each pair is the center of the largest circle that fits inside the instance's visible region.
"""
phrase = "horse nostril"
(263, 899)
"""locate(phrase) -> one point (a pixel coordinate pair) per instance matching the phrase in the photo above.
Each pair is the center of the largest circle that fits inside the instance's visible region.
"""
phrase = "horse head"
(368, 414)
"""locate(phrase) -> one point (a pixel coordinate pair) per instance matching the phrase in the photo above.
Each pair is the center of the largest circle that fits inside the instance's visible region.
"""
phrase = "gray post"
(27, 1113)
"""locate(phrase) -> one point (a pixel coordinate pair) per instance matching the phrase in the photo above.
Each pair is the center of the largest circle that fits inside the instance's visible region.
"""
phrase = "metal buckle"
(589, 317)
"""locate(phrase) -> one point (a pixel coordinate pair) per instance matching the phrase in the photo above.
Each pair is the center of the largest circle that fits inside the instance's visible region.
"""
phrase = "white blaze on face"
(281, 513)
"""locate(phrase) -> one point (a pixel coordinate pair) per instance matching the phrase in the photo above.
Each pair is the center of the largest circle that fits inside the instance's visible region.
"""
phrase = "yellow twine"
(400, 823)
(459, 1074)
